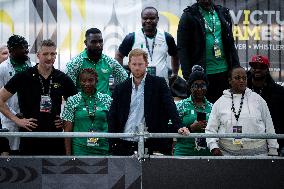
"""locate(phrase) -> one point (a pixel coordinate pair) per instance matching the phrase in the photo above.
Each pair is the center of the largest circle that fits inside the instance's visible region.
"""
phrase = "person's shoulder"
(156, 78)
(191, 8)
(75, 99)
(108, 59)
(130, 36)
(223, 10)
(103, 95)
(123, 85)
(277, 89)
(5, 64)
(168, 35)
(59, 73)
(104, 98)
(76, 59)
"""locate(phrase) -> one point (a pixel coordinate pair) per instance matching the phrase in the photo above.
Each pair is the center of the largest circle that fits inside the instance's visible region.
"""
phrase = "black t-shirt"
(128, 42)
(28, 87)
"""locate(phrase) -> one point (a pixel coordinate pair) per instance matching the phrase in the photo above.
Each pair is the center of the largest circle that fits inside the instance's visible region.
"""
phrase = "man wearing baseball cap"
(261, 82)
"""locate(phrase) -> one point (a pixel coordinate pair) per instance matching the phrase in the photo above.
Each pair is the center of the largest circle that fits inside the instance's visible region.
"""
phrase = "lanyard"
(237, 115)
(213, 19)
(90, 114)
(42, 85)
(148, 48)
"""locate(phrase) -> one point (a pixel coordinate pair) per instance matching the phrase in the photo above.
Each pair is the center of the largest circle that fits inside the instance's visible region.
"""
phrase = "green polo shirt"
(105, 67)
(187, 146)
(213, 65)
(76, 112)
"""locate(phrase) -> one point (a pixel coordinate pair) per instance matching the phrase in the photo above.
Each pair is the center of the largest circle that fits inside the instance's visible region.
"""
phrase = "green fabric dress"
(76, 112)
(187, 146)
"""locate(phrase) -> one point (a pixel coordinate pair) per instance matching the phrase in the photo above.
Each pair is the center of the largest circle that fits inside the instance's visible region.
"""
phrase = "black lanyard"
(90, 114)
(237, 115)
(42, 85)
(153, 46)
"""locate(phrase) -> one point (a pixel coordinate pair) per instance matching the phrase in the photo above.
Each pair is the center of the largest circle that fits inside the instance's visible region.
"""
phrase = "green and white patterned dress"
(105, 67)
(187, 112)
(76, 112)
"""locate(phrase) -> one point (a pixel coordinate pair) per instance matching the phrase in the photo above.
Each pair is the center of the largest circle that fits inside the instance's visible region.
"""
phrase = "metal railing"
(141, 135)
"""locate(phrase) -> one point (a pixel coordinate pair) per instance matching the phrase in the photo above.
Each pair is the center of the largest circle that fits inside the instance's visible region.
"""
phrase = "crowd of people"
(217, 94)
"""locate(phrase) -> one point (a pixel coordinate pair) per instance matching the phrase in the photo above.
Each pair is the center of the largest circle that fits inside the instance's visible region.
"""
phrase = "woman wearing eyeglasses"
(239, 110)
(87, 112)
(194, 112)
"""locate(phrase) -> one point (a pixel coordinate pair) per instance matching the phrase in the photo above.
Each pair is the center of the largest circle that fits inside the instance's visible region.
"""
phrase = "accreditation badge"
(237, 129)
(45, 104)
(151, 70)
(217, 51)
(92, 141)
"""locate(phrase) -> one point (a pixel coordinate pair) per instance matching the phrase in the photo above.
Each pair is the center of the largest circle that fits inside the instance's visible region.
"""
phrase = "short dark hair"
(93, 31)
(146, 8)
(89, 71)
(16, 41)
(231, 71)
(46, 43)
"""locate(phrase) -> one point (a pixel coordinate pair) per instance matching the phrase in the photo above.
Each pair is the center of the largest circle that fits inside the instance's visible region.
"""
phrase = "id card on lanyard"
(45, 99)
(91, 141)
(237, 129)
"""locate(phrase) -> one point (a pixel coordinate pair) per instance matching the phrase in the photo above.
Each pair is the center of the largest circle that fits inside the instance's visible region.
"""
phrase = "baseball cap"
(260, 60)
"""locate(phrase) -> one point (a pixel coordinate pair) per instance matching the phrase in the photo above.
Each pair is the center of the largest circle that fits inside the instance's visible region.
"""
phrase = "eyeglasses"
(199, 86)
(244, 78)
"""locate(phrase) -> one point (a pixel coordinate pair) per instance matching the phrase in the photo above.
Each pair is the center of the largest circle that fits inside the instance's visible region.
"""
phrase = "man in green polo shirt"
(205, 38)
(92, 57)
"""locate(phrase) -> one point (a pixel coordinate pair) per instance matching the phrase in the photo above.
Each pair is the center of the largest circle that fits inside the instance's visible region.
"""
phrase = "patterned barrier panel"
(129, 173)
(67, 173)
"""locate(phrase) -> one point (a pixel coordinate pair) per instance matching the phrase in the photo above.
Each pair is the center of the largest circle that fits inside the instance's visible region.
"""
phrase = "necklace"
(90, 114)
(237, 115)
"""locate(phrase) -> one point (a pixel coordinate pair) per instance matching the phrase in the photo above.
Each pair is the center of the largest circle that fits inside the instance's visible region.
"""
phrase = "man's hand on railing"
(183, 131)
(216, 152)
(28, 124)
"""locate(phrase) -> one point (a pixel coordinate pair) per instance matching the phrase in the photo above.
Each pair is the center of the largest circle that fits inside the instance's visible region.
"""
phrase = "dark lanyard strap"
(148, 48)
(237, 115)
(90, 114)
(42, 85)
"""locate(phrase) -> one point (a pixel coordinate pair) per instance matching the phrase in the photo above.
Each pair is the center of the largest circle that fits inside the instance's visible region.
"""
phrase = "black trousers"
(123, 148)
(217, 84)
(4, 145)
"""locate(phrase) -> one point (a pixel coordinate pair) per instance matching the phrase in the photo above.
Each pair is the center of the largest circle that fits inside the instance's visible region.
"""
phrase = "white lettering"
(252, 17)
(236, 18)
(269, 13)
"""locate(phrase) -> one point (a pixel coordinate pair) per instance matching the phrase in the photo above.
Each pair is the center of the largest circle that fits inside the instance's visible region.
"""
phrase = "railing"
(141, 135)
